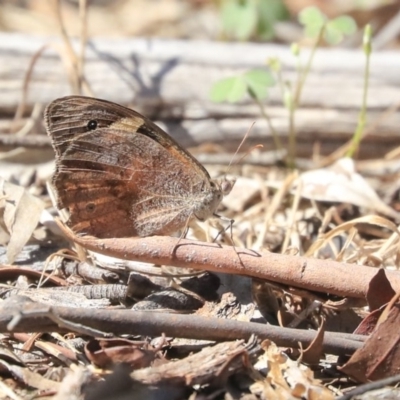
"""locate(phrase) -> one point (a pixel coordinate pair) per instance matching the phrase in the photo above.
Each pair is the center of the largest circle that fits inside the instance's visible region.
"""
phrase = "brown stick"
(176, 325)
(341, 279)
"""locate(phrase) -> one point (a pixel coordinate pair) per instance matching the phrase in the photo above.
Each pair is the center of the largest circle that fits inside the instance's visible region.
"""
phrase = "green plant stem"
(277, 141)
(362, 116)
(292, 137)
(306, 71)
(296, 99)
(279, 78)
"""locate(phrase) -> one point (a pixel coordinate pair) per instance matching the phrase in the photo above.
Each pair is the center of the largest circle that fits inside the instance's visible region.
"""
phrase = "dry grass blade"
(273, 207)
(21, 106)
(346, 226)
(75, 63)
(292, 219)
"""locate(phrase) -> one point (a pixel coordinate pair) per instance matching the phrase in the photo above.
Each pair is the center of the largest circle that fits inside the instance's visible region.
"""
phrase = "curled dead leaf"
(21, 214)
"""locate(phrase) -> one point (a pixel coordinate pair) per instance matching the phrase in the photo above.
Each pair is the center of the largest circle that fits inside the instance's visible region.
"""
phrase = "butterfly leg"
(224, 229)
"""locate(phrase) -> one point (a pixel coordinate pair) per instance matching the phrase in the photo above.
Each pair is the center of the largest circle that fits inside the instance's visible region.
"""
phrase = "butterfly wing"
(117, 173)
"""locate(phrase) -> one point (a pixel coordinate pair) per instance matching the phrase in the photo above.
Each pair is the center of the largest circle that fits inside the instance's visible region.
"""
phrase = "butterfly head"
(226, 185)
(213, 196)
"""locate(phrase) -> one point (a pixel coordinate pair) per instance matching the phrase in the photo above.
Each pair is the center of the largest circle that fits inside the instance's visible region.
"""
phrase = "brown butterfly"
(120, 175)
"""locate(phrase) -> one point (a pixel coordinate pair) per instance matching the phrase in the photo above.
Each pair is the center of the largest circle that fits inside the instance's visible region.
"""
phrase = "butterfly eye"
(92, 125)
(227, 185)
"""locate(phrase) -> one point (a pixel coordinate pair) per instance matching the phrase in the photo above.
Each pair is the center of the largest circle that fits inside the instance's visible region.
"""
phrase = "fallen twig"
(341, 279)
(177, 325)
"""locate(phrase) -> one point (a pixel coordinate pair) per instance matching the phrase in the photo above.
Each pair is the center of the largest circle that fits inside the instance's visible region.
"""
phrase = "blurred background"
(243, 20)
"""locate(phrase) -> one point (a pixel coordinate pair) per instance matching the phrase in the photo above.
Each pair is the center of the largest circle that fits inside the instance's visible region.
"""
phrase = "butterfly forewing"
(118, 174)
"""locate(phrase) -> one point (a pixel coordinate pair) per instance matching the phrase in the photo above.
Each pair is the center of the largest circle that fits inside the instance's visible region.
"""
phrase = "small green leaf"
(313, 20)
(269, 12)
(239, 18)
(338, 28)
(332, 35)
(229, 89)
(259, 76)
(258, 81)
(345, 24)
(312, 17)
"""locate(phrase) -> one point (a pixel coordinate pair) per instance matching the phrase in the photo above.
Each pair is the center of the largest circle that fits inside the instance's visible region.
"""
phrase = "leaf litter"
(267, 212)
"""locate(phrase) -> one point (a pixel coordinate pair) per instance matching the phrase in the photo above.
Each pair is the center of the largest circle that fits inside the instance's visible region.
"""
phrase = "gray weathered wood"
(170, 80)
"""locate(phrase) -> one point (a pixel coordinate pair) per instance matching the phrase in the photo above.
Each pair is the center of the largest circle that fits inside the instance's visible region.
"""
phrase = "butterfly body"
(120, 175)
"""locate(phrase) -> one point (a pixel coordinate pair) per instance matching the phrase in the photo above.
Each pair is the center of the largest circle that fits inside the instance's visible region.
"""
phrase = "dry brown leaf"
(313, 353)
(380, 356)
(388, 308)
(287, 379)
(105, 353)
(341, 183)
(380, 290)
(368, 324)
(21, 213)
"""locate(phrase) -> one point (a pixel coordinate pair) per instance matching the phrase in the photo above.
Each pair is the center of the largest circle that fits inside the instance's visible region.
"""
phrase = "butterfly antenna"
(257, 146)
(240, 145)
(225, 184)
